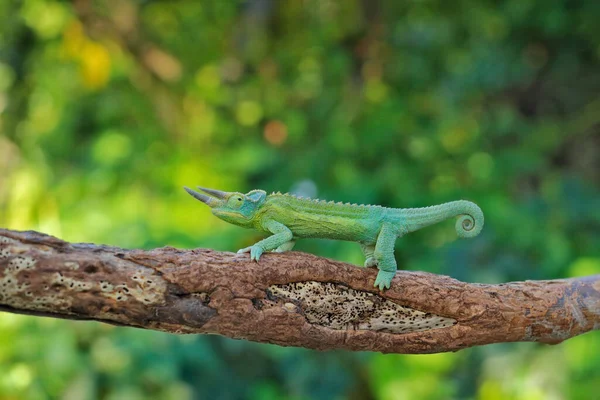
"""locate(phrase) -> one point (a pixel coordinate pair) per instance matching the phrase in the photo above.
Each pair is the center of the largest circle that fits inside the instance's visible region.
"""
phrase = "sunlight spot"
(275, 133)
(248, 113)
(208, 78)
(163, 64)
(480, 165)
(376, 91)
(18, 377)
(47, 19)
(584, 266)
(111, 147)
(95, 65)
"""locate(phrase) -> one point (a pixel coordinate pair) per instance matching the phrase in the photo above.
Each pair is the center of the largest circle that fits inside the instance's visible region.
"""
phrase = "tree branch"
(291, 299)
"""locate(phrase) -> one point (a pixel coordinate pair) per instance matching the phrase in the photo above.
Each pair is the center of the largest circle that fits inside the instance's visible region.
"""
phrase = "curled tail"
(468, 225)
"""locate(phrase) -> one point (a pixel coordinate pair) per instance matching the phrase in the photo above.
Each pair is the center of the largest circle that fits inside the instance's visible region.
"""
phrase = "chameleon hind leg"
(287, 246)
(369, 250)
(384, 254)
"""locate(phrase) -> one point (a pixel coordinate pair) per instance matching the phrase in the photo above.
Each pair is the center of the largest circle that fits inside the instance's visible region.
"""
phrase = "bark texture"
(290, 299)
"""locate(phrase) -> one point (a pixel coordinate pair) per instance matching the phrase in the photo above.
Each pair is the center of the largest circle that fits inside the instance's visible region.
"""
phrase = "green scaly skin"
(287, 218)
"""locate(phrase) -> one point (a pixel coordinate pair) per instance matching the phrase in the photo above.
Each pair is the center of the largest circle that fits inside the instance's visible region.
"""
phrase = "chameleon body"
(286, 218)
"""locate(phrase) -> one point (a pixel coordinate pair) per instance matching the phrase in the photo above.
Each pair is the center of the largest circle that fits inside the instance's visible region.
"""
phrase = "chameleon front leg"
(384, 255)
(281, 236)
(369, 250)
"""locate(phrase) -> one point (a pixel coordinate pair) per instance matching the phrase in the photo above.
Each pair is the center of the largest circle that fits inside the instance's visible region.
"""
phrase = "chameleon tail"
(468, 225)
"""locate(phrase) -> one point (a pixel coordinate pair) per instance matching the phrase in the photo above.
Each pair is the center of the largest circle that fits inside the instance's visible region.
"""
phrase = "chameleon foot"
(384, 279)
(255, 252)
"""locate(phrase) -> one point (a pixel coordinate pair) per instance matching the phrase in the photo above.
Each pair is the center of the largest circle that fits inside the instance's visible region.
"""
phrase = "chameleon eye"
(235, 201)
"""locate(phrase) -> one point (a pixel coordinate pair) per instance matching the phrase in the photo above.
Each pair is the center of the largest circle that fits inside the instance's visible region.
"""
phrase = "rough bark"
(291, 299)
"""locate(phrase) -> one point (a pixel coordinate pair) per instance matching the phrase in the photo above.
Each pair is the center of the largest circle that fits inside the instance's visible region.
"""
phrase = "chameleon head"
(233, 207)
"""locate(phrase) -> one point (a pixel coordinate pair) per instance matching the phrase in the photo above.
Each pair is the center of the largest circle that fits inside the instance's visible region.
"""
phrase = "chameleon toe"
(384, 279)
(255, 252)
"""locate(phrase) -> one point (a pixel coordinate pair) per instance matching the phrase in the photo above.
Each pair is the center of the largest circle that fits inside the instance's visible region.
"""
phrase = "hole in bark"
(257, 304)
(90, 269)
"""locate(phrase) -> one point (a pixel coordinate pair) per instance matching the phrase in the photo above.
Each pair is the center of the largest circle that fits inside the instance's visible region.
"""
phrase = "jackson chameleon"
(375, 228)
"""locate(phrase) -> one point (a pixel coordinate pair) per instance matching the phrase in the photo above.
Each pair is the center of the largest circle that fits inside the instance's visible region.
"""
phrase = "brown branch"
(290, 299)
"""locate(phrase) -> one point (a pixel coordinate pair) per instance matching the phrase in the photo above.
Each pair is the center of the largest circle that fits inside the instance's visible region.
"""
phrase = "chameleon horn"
(210, 201)
(215, 193)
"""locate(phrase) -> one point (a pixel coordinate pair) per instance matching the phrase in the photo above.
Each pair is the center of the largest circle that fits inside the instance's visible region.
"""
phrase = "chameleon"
(288, 217)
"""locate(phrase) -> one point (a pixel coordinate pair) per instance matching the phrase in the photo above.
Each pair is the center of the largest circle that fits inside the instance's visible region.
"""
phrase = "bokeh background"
(109, 107)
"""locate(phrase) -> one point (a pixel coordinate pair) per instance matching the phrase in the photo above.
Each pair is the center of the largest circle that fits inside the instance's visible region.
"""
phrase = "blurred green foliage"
(109, 107)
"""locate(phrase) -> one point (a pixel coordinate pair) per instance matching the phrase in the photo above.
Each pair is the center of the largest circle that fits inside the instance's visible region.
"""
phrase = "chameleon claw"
(244, 250)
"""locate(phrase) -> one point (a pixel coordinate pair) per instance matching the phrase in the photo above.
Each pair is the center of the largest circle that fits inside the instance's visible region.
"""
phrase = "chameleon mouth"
(227, 213)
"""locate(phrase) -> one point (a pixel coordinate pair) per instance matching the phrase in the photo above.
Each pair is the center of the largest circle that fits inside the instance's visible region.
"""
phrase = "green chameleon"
(287, 218)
